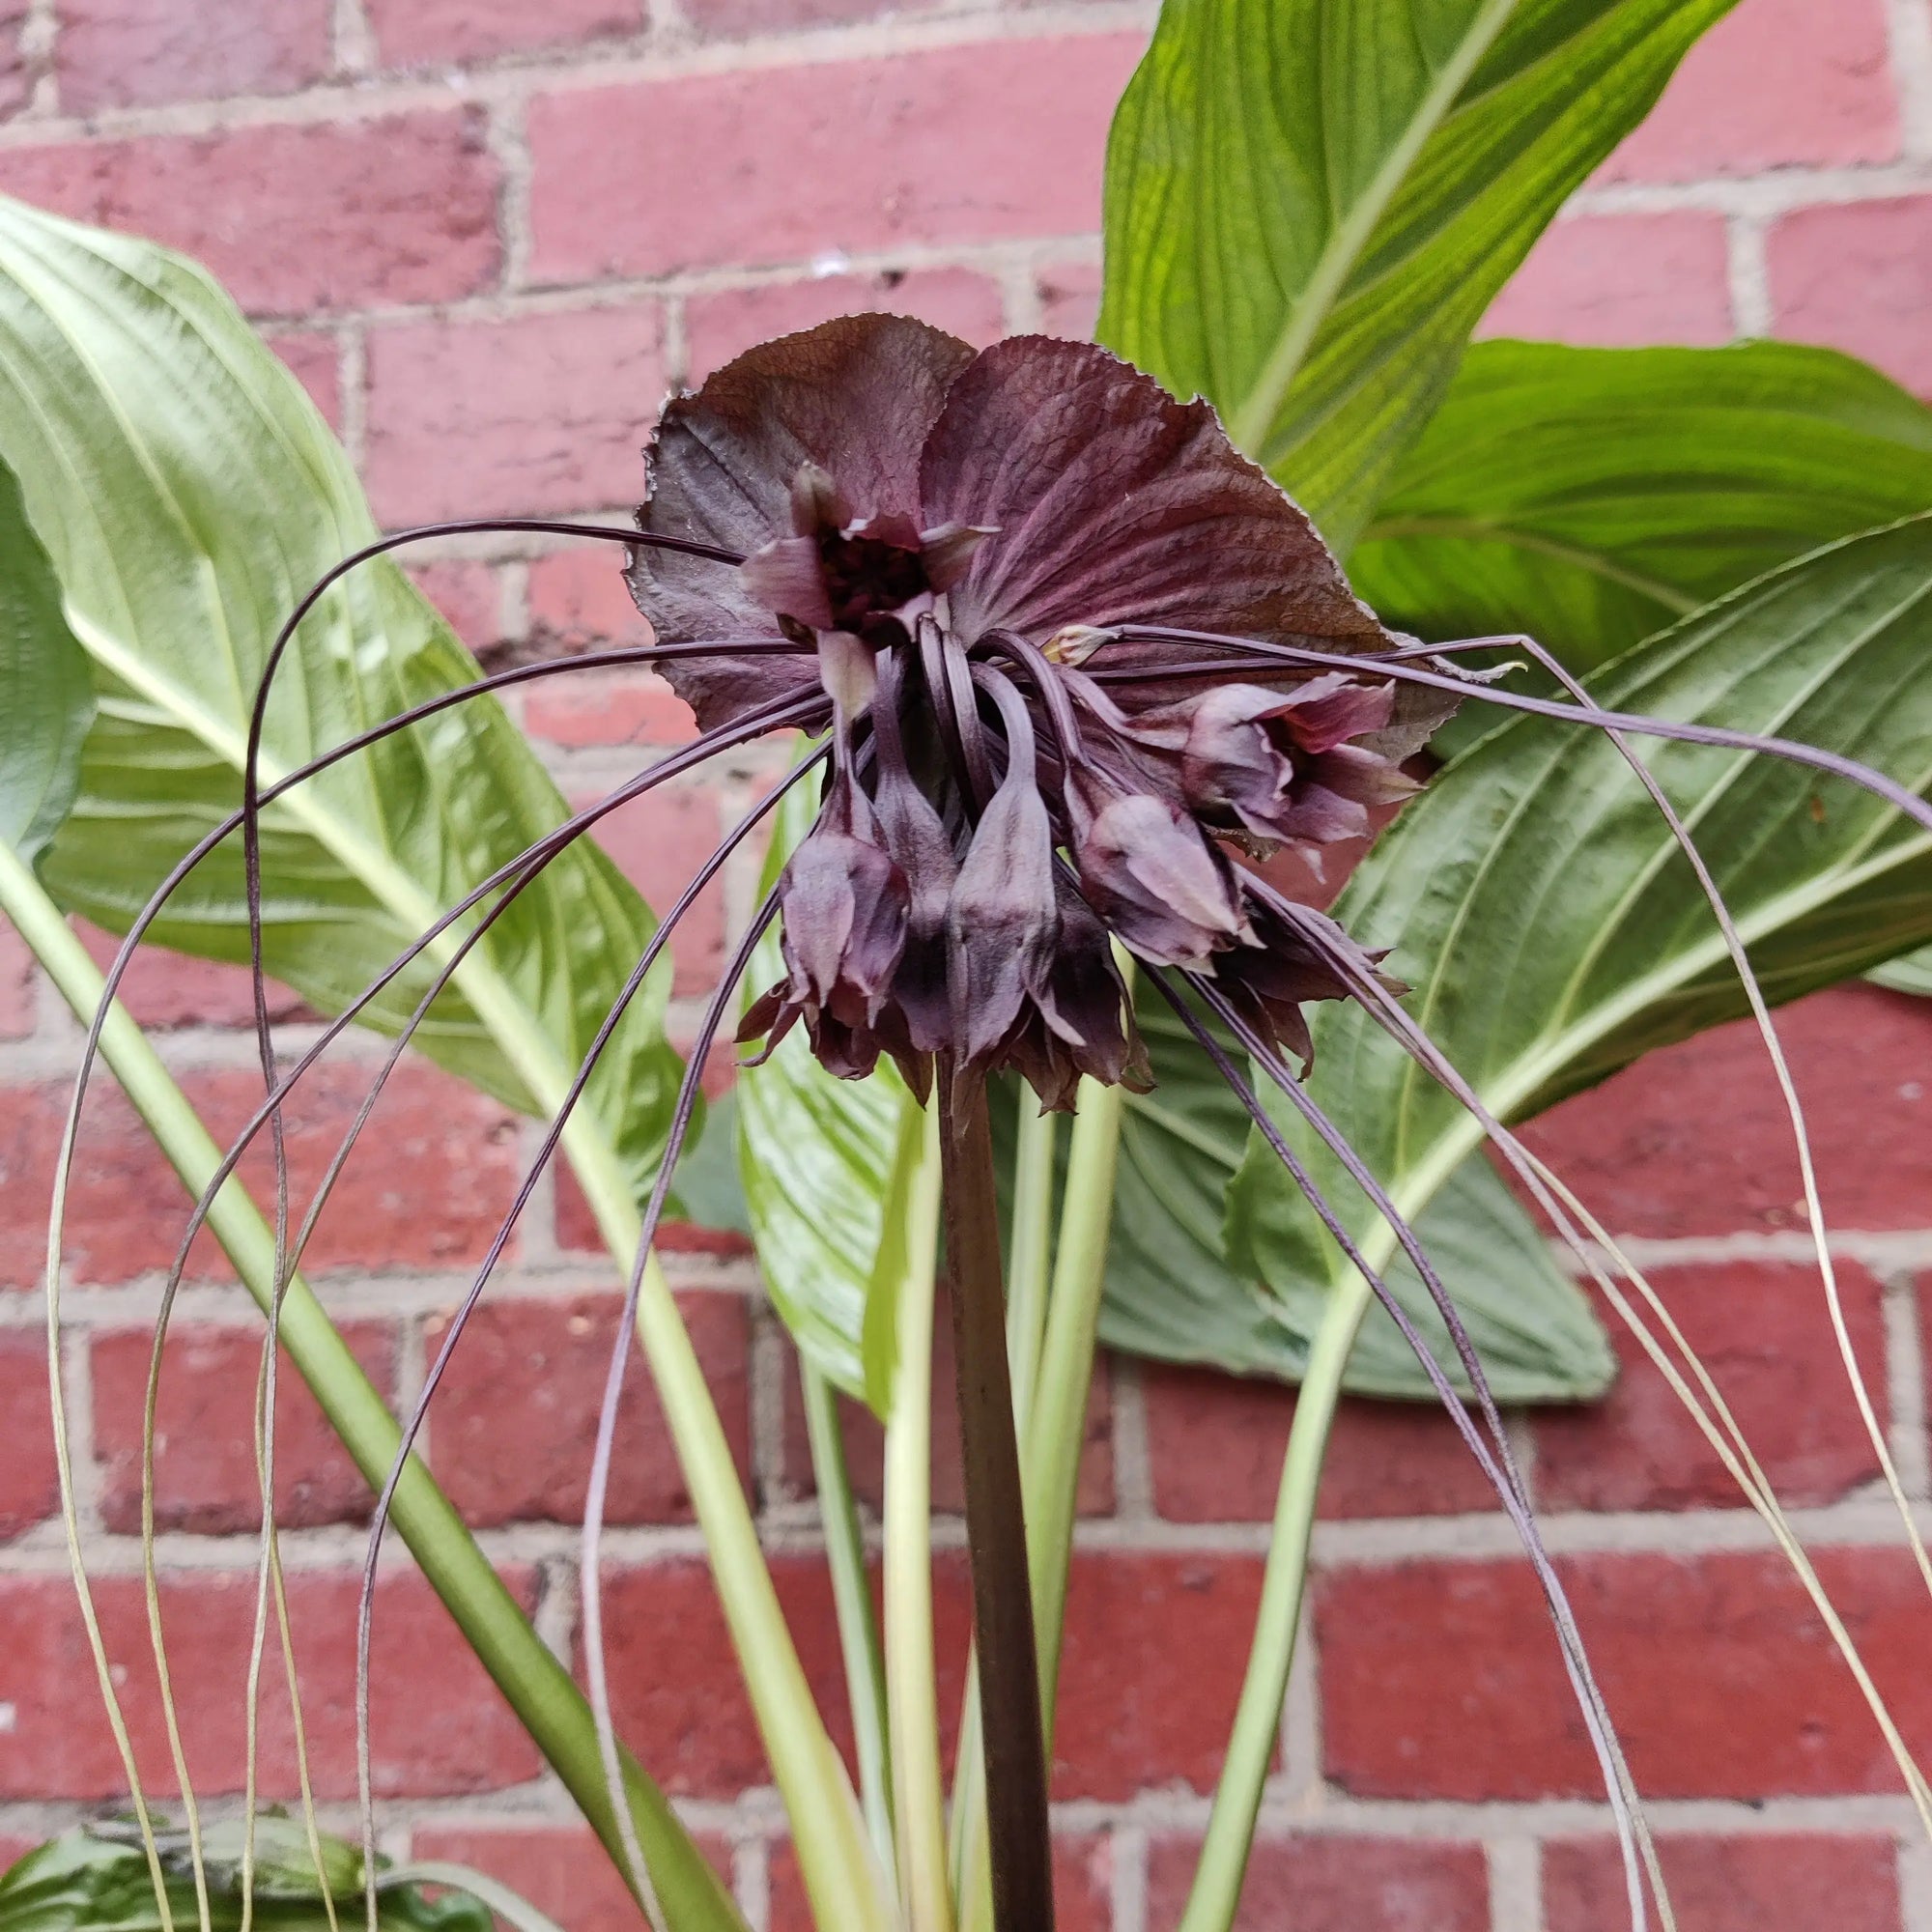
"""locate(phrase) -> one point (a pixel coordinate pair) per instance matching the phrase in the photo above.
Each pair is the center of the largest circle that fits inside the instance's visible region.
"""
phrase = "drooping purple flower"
(982, 562)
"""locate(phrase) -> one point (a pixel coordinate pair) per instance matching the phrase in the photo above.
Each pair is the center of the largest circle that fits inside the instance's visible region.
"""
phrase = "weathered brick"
(315, 363)
(1858, 277)
(1780, 1881)
(124, 53)
(1777, 84)
(417, 32)
(16, 985)
(1443, 1679)
(535, 414)
(163, 991)
(1152, 1669)
(659, 841)
(29, 1485)
(439, 1726)
(1695, 1140)
(1082, 1886)
(722, 325)
(205, 1473)
(1621, 281)
(1764, 1332)
(467, 595)
(1217, 1443)
(425, 1188)
(773, 165)
(865, 1441)
(293, 219)
(1070, 298)
(1337, 1885)
(515, 1419)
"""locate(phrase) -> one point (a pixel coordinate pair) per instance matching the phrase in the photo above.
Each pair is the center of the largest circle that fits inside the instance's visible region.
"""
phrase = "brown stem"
(1016, 1814)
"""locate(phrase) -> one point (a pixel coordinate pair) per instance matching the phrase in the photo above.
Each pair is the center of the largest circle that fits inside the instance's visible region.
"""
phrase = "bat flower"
(1070, 646)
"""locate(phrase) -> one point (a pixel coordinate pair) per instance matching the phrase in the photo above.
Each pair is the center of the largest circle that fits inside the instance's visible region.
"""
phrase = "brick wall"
(485, 234)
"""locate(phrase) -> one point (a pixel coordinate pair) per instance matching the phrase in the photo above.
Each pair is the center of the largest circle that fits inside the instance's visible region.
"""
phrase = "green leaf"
(1550, 927)
(96, 1880)
(1311, 202)
(1172, 1294)
(817, 1159)
(50, 700)
(188, 493)
(1591, 496)
(1913, 974)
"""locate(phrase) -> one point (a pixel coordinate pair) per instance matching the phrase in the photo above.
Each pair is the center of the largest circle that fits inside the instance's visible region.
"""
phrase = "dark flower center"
(867, 577)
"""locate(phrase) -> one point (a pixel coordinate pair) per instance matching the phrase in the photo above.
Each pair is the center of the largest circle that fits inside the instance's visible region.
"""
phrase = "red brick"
(676, 1690)
(1621, 281)
(1778, 1883)
(467, 595)
(962, 144)
(439, 1726)
(539, 413)
(1857, 277)
(16, 64)
(1695, 1140)
(515, 1419)
(724, 325)
(659, 842)
(561, 1869)
(163, 991)
(1764, 1334)
(16, 985)
(315, 363)
(1777, 84)
(1082, 1886)
(1337, 1885)
(614, 707)
(425, 1188)
(576, 1226)
(1070, 298)
(1217, 1443)
(293, 219)
(1152, 1669)
(726, 19)
(864, 1441)
(415, 32)
(126, 53)
(579, 601)
(29, 1486)
(1443, 1679)
(205, 1474)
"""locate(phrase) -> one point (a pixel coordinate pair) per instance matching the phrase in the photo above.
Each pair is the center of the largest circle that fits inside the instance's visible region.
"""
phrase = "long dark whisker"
(596, 1492)
(520, 873)
(528, 866)
(522, 870)
(1500, 1467)
(539, 1162)
(1589, 713)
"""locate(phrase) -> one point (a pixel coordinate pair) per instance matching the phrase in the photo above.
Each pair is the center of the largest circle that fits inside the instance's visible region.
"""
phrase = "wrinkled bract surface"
(961, 563)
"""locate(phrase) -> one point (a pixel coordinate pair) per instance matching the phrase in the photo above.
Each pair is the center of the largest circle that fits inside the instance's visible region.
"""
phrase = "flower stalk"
(1010, 1726)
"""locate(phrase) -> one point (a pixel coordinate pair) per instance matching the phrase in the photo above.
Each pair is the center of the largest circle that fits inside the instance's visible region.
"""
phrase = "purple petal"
(857, 398)
(1116, 503)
